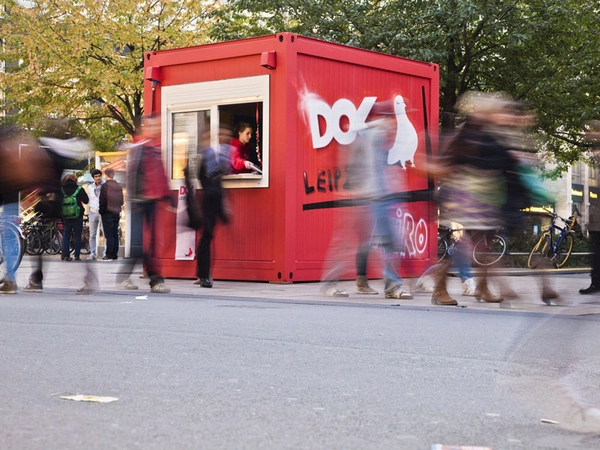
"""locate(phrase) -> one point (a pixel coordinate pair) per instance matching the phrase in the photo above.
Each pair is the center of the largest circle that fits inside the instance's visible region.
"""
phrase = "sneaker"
(127, 284)
(399, 294)
(87, 289)
(106, 258)
(334, 292)
(91, 257)
(160, 288)
(468, 287)
(8, 287)
(33, 286)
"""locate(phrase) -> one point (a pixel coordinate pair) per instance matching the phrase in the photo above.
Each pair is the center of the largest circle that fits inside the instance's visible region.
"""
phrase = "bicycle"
(446, 242)
(557, 251)
(488, 250)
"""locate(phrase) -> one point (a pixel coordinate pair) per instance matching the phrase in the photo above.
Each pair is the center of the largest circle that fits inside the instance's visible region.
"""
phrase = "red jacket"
(239, 155)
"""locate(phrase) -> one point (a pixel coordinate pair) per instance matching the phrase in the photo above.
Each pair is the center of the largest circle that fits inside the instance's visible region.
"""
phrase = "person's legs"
(68, 226)
(95, 221)
(110, 225)
(203, 249)
(462, 260)
(10, 244)
(77, 229)
(383, 229)
(151, 262)
(115, 233)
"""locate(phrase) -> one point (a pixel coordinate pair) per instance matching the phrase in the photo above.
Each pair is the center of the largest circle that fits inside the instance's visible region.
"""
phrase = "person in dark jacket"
(111, 202)
(213, 165)
(594, 221)
(73, 225)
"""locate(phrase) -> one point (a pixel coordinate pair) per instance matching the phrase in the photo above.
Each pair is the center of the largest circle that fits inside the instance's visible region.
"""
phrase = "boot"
(482, 292)
(440, 295)
(362, 286)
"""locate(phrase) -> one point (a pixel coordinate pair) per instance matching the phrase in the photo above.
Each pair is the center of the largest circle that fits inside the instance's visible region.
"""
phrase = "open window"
(191, 112)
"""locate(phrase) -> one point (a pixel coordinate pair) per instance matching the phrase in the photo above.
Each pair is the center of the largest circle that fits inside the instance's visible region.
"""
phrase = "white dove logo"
(406, 142)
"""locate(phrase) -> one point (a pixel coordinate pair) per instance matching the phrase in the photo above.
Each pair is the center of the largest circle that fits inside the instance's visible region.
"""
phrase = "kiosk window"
(191, 111)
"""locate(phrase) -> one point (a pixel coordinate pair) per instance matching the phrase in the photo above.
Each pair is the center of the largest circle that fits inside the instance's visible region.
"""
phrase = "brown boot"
(362, 286)
(440, 295)
(482, 292)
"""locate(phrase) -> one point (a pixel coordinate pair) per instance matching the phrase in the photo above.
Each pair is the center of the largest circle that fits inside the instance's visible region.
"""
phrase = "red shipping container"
(303, 98)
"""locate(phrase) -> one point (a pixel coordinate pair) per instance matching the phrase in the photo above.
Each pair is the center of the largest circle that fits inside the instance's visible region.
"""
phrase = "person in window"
(240, 149)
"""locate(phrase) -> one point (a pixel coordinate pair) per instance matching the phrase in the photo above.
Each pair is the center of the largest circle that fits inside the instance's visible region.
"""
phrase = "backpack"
(70, 205)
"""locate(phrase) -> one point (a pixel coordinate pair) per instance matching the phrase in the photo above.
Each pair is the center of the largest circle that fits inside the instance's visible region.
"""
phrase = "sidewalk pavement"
(68, 276)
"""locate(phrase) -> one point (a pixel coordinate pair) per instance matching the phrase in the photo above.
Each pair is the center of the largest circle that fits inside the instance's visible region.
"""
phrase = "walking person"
(74, 197)
(213, 165)
(111, 202)
(594, 221)
(481, 189)
(147, 190)
(367, 170)
(56, 153)
(95, 220)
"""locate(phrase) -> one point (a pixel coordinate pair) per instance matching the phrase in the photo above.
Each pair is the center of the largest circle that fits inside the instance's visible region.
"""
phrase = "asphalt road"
(194, 372)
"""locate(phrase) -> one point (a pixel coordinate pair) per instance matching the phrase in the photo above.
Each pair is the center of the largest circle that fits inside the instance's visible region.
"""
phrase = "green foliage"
(84, 59)
(544, 52)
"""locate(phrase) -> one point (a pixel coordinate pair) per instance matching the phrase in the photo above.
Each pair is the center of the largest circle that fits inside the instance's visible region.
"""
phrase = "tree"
(543, 52)
(83, 59)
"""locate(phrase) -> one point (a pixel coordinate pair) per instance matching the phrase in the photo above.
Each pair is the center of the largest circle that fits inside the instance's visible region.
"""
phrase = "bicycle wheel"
(53, 241)
(442, 248)
(489, 250)
(33, 243)
(563, 251)
(538, 252)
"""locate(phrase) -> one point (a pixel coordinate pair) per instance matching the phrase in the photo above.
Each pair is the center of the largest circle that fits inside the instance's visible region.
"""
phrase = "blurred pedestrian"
(59, 152)
(367, 171)
(593, 135)
(147, 190)
(214, 163)
(111, 202)
(74, 197)
(94, 218)
(481, 188)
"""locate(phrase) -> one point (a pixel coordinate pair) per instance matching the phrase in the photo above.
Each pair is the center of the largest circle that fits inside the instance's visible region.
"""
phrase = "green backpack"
(70, 205)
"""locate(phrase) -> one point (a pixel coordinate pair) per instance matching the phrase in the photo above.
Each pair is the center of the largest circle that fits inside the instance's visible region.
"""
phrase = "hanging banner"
(185, 237)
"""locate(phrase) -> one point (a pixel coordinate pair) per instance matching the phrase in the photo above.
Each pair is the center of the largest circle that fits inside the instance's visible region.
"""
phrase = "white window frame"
(210, 95)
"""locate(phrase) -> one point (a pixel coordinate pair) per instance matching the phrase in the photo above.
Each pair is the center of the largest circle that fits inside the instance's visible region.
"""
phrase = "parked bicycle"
(489, 248)
(556, 250)
(42, 235)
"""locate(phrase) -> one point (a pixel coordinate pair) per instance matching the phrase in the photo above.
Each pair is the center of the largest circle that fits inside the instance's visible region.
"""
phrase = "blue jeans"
(10, 246)
(95, 220)
(389, 243)
(71, 226)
